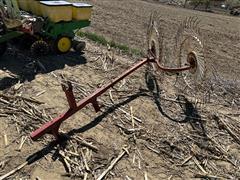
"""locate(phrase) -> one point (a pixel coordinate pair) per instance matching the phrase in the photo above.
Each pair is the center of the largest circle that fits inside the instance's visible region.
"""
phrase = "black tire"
(62, 44)
(79, 46)
(3, 46)
(39, 48)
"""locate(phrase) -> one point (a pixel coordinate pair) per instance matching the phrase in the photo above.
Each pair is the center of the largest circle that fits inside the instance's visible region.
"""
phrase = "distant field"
(126, 21)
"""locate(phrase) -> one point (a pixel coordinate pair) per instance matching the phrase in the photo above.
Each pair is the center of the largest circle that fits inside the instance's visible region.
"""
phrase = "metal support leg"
(68, 89)
(96, 105)
(52, 126)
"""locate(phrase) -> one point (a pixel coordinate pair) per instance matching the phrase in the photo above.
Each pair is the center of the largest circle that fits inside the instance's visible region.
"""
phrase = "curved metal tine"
(182, 25)
(150, 25)
(194, 23)
(197, 25)
(160, 40)
(191, 25)
(154, 15)
(180, 30)
(150, 22)
(152, 19)
(197, 31)
(188, 22)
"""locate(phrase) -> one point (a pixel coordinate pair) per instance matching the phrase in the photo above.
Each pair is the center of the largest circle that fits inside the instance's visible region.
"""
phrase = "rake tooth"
(155, 39)
(187, 40)
(196, 25)
(193, 25)
(188, 23)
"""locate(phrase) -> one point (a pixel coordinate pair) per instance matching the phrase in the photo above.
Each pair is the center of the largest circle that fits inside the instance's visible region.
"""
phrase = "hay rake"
(191, 66)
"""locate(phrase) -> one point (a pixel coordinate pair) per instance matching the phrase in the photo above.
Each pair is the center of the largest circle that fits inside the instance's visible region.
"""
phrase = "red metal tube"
(168, 69)
(67, 88)
(52, 126)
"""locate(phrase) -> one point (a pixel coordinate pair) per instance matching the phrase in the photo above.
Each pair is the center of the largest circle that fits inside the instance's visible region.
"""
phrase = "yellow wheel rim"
(64, 44)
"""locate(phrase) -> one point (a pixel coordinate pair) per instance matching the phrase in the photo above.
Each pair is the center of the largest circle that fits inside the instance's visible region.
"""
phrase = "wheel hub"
(192, 60)
(64, 44)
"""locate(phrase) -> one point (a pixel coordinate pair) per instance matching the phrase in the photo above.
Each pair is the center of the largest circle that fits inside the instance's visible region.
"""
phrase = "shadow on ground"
(192, 116)
(188, 110)
(23, 67)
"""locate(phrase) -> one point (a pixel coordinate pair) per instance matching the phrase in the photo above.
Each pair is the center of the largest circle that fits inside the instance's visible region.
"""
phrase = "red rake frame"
(155, 42)
(52, 127)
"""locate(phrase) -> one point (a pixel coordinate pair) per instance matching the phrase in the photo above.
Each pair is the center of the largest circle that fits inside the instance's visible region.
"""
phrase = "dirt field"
(170, 135)
(126, 22)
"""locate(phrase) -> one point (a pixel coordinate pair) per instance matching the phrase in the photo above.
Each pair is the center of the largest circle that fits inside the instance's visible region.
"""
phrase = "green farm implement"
(45, 32)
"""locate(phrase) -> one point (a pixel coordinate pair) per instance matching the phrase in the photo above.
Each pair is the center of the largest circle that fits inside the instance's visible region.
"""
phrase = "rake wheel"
(189, 50)
(155, 45)
(154, 40)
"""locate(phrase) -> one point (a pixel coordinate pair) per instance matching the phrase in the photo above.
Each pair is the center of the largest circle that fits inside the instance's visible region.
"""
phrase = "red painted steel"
(67, 88)
(167, 69)
(52, 126)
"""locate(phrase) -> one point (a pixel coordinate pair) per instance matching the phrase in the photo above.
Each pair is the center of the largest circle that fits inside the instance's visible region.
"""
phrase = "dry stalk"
(85, 162)
(124, 151)
(224, 125)
(199, 165)
(20, 97)
(23, 139)
(84, 143)
(145, 176)
(5, 139)
(5, 176)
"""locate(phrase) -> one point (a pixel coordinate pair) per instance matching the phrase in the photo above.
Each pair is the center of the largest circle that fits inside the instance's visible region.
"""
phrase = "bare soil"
(180, 136)
(126, 22)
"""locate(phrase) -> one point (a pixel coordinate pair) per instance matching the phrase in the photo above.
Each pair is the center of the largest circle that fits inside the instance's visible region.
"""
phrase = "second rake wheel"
(190, 51)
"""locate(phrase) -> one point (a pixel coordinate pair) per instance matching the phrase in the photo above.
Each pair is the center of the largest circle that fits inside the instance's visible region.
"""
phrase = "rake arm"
(52, 127)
